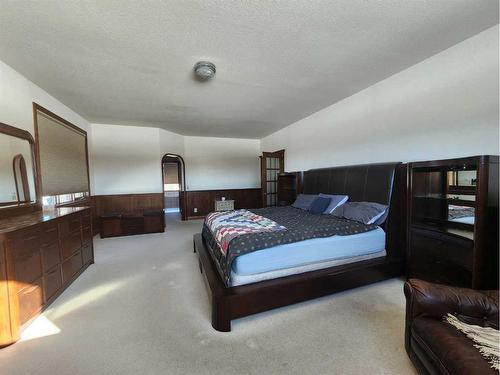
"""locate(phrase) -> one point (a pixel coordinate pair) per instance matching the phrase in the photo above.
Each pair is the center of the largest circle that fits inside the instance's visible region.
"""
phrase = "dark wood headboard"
(382, 183)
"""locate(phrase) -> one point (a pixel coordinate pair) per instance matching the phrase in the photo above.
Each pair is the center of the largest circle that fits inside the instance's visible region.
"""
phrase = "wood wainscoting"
(203, 200)
(102, 204)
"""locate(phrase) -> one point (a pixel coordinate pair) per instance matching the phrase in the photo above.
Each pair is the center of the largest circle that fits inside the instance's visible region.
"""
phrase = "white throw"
(486, 339)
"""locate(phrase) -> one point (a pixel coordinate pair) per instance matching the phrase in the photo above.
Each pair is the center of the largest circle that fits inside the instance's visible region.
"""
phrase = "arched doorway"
(174, 184)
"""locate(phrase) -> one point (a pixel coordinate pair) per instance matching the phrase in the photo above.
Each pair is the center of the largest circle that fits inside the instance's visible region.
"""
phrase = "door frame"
(182, 183)
(263, 174)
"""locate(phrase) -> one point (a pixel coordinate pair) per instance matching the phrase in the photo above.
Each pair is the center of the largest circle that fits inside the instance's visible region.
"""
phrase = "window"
(62, 158)
(56, 200)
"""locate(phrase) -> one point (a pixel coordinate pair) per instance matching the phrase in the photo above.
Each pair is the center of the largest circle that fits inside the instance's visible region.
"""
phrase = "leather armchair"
(435, 347)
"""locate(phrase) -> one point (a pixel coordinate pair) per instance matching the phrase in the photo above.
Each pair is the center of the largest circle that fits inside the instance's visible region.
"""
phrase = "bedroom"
(390, 103)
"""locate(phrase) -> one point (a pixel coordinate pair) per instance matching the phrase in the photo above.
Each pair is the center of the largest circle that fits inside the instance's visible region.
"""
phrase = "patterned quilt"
(226, 226)
(300, 226)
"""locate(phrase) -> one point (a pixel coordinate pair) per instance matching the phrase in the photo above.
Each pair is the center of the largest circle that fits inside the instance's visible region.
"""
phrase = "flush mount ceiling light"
(204, 70)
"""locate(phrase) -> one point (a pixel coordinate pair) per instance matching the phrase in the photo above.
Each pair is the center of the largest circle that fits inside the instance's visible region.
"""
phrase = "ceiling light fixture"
(204, 70)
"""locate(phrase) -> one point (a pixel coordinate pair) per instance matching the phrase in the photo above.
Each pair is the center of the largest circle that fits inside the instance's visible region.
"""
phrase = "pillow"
(319, 205)
(365, 212)
(304, 201)
(336, 201)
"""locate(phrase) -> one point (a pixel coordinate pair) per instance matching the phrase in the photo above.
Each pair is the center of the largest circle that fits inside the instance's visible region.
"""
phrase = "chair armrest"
(435, 300)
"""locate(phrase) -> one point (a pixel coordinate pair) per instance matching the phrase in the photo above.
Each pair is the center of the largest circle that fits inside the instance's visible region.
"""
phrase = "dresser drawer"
(440, 258)
(30, 300)
(442, 247)
(50, 255)
(86, 220)
(87, 254)
(71, 243)
(87, 235)
(52, 282)
(71, 266)
(49, 234)
(70, 224)
(27, 263)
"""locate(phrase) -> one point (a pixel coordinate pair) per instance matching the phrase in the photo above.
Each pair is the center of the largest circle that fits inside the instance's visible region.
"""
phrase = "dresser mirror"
(445, 196)
(462, 195)
(17, 168)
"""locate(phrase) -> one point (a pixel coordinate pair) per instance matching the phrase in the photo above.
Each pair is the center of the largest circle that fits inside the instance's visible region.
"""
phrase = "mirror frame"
(35, 205)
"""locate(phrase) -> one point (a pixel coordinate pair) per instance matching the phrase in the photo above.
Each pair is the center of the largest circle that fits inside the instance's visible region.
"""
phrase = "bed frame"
(383, 183)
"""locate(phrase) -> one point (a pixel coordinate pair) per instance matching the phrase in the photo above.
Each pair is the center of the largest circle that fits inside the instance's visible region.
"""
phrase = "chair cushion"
(447, 347)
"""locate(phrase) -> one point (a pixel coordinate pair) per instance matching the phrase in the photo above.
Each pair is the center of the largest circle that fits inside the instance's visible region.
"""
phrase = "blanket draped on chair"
(486, 339)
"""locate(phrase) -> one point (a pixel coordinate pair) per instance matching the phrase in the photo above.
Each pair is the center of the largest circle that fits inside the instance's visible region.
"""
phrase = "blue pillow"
(337, 200)
(304, 201)
(319, 205)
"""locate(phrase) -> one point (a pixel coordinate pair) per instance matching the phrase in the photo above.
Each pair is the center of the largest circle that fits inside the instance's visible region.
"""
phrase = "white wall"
(172, 143)
(445, 106)
(17, 94)
(7, 182)
(127, 159)
(221, 163)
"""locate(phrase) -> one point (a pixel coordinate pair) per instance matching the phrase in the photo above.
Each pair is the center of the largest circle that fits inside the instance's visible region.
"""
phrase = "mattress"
(464, 220)
(303, 253)
(248, 279)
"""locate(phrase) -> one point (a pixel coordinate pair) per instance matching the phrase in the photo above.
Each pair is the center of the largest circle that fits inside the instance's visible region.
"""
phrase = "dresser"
(41, 254)
(453, 222)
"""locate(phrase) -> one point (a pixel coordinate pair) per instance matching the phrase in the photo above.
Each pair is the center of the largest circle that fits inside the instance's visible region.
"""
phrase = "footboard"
(236, 302)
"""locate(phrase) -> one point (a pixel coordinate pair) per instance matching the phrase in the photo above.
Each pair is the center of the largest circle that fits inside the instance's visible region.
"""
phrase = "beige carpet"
(142, 309)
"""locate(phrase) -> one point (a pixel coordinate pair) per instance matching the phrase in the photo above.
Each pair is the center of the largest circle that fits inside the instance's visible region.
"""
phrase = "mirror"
(17, 172)
(445, 196)
(462, 196)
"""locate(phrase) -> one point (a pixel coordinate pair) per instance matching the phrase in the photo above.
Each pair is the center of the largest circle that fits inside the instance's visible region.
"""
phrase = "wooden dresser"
(453, 221)
(41, 253)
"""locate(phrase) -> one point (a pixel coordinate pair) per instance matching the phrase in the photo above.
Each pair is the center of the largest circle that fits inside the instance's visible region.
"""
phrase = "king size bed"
(284, 255)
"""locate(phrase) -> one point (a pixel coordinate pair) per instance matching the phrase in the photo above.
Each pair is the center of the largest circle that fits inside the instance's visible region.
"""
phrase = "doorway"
(173, 184)
(271, 165)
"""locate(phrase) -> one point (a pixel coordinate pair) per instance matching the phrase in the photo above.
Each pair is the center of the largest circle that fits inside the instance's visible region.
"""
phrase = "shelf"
(462, 200)
(456, 232)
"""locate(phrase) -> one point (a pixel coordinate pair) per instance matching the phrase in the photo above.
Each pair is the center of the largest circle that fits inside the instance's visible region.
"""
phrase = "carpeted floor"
(142, 309)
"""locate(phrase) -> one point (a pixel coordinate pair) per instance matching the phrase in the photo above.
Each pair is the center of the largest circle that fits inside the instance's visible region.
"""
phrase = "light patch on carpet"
(85, 298)
(40, 327)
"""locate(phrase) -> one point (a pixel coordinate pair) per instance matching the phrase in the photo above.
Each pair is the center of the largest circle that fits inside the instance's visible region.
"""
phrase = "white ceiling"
(130, 62)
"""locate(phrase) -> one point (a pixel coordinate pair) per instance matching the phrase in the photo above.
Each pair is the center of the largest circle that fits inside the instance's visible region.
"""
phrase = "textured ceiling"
(130, 62)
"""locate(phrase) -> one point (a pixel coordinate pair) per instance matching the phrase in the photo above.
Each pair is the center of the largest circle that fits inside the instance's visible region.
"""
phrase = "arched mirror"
(21, 178)
(17, 168)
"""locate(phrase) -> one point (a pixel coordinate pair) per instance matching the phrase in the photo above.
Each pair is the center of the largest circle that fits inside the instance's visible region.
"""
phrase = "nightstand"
(227, 205)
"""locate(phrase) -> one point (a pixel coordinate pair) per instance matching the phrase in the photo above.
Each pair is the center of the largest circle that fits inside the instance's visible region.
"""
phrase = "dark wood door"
(271, 165)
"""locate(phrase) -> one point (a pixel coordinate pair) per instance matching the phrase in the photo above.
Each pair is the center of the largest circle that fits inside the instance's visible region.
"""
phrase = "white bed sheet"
(308, 255)
(309, 251)
(236, 279)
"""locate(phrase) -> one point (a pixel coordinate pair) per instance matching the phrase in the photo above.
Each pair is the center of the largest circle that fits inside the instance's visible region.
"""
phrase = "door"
(271, 165)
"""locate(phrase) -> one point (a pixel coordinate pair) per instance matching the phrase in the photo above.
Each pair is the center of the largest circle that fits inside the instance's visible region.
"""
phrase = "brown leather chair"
(436, 347)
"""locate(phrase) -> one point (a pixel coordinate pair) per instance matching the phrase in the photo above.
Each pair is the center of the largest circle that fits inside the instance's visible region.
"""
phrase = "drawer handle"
(30, 289)
(50, 230)
(31, 238)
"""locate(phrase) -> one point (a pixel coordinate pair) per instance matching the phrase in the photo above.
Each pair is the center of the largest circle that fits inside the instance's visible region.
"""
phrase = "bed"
(290, 271)
(461, 214)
